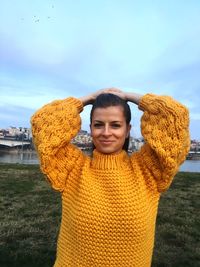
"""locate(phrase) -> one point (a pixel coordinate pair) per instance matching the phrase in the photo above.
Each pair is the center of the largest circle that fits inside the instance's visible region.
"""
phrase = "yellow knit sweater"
(110, 202)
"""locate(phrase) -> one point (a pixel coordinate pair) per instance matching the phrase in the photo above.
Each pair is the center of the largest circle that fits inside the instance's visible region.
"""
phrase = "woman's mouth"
(106, 142)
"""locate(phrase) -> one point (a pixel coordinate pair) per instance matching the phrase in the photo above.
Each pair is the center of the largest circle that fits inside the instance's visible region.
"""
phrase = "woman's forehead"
(113, 112)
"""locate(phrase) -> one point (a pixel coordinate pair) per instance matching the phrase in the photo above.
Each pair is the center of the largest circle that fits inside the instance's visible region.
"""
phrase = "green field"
(30, 216)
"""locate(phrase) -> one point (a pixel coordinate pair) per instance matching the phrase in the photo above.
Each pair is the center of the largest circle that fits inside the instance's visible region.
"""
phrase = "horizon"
(88, 132)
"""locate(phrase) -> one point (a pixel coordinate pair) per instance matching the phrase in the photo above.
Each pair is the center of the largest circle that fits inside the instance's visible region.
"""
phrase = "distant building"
(195, 145)
(135, 143)
(83, 140)
(17, 133)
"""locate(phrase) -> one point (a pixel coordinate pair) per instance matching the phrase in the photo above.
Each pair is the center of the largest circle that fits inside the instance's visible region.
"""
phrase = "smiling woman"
(110, 200)
(110, 123)
(109, 129)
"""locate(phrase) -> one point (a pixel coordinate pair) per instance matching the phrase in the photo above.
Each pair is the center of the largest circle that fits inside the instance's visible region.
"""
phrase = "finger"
(112, 90)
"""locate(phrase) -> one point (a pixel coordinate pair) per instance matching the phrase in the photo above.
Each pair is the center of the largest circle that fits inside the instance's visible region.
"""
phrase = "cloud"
(77, 48)
(25, 100)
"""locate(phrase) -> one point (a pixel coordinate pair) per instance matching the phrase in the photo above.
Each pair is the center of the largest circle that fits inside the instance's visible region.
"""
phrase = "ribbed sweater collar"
(109, 161)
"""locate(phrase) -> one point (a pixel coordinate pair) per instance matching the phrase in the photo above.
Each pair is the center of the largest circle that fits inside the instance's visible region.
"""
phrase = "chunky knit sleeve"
(53, 127)
(165, 128)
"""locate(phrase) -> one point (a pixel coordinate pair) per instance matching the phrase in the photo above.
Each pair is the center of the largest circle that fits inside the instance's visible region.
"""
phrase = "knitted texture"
(110, 202)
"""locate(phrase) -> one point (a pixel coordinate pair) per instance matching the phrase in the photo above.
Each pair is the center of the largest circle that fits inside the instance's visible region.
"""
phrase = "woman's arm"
(165, 128)
(133, 97)
(53, 127)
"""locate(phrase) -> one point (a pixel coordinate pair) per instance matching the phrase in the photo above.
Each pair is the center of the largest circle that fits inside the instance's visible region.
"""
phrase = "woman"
(110, 201)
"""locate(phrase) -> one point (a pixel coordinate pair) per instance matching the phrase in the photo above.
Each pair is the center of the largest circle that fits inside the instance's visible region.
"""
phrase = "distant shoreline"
(194, 156)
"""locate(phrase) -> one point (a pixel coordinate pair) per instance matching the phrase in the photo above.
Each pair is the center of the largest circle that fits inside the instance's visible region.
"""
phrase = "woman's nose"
(106, 130)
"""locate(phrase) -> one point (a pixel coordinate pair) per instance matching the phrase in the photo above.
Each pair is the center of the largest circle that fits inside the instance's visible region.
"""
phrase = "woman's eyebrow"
(97, 121)
(111, 121)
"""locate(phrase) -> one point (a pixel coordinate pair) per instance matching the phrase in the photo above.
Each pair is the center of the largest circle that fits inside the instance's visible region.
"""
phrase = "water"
(190, 166)
(30, 157)
(27, 157)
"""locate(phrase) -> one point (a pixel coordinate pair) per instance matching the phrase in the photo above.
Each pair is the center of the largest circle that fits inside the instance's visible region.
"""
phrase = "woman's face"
(109, 129)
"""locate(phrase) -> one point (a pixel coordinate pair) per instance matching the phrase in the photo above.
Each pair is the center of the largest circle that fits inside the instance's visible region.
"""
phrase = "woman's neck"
(109, 161)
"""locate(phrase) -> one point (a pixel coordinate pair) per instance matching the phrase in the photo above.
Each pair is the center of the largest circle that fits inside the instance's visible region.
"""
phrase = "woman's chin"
(107, 150)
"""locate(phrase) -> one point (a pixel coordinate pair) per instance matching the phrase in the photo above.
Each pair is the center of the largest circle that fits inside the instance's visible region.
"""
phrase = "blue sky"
(55, 49)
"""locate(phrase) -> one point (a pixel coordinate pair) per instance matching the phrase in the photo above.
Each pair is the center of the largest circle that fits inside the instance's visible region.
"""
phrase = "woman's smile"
(106, 142)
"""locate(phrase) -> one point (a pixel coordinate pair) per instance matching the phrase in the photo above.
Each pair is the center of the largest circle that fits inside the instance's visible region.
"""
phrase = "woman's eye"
(116, 125)
(97, 125)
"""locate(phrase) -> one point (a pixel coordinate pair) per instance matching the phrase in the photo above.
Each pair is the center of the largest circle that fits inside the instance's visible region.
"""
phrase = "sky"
(55, 49)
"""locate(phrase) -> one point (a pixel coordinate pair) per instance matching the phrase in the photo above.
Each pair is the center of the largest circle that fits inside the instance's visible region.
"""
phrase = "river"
(31, 158)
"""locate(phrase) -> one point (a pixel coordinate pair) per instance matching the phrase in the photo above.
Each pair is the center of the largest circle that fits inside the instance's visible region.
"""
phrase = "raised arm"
(165, 128)
(53, 127)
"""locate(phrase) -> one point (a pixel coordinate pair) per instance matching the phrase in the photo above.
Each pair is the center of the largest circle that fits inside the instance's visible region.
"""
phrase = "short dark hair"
(107, 100)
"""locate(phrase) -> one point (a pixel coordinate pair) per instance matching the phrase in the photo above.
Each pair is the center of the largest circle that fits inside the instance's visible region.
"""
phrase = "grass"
(31, 211)
(30, 217)
(178, 226)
